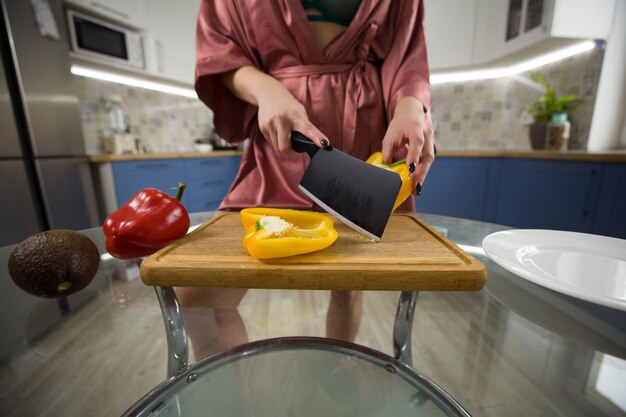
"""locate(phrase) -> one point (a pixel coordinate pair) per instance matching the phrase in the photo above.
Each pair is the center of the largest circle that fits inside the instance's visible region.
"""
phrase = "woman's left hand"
(410, 136)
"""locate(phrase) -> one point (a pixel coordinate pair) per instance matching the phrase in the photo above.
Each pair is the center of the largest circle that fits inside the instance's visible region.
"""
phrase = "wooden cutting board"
(410, 256)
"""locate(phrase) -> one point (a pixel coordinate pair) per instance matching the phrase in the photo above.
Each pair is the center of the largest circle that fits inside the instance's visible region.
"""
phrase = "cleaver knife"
(359, 194)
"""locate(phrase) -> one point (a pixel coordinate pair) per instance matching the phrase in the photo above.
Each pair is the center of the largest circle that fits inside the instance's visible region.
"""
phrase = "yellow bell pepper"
(276, 233)
(401, 169)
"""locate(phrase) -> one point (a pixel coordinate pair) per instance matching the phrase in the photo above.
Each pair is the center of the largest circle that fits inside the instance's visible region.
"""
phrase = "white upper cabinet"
(128, 12)
(464, 33)
(507, 27)
(450, 26)
(171, 38)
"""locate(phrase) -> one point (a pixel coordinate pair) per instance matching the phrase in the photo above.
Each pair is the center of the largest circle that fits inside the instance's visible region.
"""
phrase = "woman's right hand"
(279, 112)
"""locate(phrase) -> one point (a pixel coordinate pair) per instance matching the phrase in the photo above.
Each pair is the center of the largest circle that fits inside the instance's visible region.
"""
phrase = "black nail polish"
(435, 149)
(412, 167)
(324, 143)
(418, 188)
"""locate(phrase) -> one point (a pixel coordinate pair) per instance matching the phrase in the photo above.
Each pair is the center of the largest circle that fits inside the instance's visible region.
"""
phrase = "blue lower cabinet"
(456, 187)
(610, 216)
(209, 203)
(578, 196)
(216, 167)
(132, 176)
(541, 194)
(207, 179)
(206, 194)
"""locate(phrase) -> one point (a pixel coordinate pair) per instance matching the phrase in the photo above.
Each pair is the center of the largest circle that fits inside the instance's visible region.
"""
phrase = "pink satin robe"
(350, 88)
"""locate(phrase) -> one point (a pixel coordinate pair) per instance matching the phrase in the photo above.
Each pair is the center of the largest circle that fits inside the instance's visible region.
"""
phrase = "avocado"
(54, 263)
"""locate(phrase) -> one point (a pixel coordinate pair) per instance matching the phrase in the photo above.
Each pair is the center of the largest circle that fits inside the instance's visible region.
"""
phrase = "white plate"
(589, 267)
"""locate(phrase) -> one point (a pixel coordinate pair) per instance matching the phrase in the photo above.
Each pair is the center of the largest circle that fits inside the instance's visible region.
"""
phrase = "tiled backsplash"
(486, 114)
(163, 122)
(469, 115)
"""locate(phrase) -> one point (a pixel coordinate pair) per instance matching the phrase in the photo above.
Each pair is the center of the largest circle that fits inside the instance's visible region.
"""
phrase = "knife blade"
(358, 194)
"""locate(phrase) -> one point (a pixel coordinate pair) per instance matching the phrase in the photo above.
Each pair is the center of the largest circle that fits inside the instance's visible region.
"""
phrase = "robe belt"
(360, 92)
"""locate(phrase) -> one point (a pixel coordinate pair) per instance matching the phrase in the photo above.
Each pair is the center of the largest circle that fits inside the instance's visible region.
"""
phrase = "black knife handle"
(301, 143)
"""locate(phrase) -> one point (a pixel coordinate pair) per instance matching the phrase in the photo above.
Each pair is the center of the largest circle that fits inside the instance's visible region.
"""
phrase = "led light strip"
(132, 81)
(449, 77)
(435, 78)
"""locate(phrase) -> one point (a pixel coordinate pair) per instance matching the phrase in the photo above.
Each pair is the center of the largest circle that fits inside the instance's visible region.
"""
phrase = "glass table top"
(312, 376)
(513, 348)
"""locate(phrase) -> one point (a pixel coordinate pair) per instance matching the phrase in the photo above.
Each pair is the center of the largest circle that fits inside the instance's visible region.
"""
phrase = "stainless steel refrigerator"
(45, 174)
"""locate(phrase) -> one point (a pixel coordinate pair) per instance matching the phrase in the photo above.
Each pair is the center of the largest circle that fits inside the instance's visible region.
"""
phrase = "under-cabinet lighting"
(435, 78)
(539, 61)
(132, 81)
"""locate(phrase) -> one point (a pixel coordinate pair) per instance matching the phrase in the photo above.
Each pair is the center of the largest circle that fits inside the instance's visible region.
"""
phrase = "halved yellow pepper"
(276, 233)
(401, 169)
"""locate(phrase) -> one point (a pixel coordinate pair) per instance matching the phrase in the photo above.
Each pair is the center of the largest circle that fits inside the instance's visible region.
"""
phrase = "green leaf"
(550, 102)
(540, 79)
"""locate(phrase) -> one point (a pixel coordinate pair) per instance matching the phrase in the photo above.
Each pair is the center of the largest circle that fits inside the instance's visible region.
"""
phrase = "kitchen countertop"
(161, 155)
(604, 156)
(582, 155)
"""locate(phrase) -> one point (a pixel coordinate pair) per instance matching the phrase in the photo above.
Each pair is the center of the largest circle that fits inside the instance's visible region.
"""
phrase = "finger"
(310, 131)
(283, 138)
(392, 136)
(416, 143)
(427, 159)
(400, 152)
(269, 132)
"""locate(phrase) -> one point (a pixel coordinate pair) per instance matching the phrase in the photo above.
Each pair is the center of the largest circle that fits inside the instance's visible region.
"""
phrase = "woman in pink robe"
(261, 69)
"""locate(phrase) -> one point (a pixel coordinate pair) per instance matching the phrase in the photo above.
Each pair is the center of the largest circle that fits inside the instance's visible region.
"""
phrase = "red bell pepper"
(148, 222)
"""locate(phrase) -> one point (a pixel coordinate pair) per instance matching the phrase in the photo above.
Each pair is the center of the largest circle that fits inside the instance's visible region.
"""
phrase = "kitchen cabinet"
(132, 176)
(466, 33)
(580, 196)
(504, 28)
(450, 26)
(128, 12)
(548, 194)
(207, 180)
(171, 39)
(458, 187)
(610, 217)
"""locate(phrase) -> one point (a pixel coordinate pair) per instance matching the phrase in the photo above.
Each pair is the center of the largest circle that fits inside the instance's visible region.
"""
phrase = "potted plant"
(543, 109)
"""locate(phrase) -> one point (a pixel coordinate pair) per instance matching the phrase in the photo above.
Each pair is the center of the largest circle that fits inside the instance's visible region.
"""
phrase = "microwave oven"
(105, 41)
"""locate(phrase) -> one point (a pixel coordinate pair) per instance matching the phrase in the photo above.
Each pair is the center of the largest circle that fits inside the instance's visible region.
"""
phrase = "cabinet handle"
(586, 209)
(212, 162)
(210, 203)
(150, 165)
(160, 56)
(110, 10)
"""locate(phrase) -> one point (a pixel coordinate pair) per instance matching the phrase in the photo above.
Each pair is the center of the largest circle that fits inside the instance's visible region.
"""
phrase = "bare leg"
(212, 320)
(344, 315)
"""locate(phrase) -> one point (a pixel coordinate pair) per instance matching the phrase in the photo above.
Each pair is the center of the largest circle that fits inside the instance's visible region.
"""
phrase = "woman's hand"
(408, 136)
(279, 112)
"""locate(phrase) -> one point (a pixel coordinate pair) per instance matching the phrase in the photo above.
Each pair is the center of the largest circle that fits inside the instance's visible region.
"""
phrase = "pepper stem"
(181, 190)
(393, 164)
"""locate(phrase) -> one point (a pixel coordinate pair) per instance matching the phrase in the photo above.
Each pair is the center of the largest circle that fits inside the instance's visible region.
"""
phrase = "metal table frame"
(157, 398)
(178, 345)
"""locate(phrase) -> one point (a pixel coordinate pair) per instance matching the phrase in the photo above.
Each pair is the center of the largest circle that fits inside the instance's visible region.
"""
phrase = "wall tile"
(470, 115)
(164, 122)
(491, 109)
